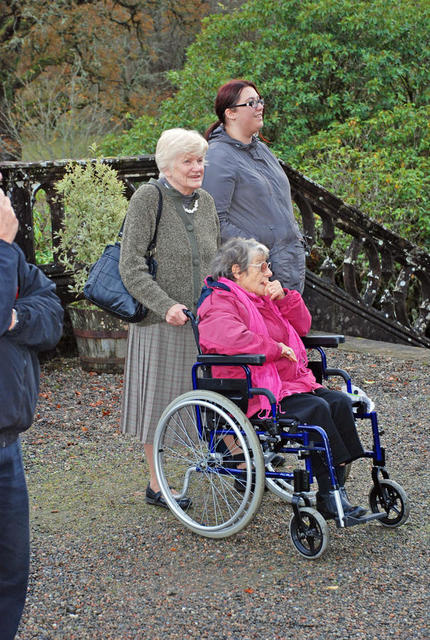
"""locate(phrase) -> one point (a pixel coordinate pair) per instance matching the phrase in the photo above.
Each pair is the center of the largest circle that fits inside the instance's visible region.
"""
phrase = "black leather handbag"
(104, 286)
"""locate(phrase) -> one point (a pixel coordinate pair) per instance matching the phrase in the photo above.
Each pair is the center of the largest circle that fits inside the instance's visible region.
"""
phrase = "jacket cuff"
(289, 294)
(163, 308)
(274, 353)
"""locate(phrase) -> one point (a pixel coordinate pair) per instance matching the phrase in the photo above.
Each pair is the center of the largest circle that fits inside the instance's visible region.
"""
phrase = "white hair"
(175, 142)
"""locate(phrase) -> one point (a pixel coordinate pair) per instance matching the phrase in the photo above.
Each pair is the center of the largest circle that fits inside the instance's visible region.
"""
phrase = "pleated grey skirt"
(157, 370)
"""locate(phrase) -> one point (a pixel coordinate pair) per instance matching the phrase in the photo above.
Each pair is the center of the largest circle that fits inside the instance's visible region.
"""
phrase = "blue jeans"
(14, 539)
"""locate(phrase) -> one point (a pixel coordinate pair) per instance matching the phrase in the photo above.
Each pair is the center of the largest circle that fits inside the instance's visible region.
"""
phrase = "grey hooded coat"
(253, 200)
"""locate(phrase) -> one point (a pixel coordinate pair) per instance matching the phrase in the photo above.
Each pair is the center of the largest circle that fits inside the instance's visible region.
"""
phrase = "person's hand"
(8, 220)
(176, 316)
(274, 290)
(287, 352)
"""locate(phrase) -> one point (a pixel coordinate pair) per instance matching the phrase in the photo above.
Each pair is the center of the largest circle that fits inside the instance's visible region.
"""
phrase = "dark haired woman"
(251, 191)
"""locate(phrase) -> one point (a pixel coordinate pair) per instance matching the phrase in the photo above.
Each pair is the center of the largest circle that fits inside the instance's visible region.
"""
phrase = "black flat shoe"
(156, 499)
(232, 462)
(326, 505)
(240, 485)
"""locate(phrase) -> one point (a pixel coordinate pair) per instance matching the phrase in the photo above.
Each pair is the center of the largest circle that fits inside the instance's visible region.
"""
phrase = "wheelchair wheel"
(393, 500)
(186, 458)
(311, 541)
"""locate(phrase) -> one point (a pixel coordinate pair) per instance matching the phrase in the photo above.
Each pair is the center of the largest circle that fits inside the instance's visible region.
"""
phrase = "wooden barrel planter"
(101, 339)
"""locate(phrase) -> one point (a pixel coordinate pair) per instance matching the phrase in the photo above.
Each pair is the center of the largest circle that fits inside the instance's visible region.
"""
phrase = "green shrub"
(94, 207)
(380, 165)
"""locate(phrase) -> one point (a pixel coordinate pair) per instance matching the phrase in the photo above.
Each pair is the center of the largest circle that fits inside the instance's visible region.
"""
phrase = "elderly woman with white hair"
(161, 348)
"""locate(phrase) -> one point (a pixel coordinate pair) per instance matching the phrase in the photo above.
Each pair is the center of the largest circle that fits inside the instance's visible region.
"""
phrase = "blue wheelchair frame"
(303, 433)
(215, 409)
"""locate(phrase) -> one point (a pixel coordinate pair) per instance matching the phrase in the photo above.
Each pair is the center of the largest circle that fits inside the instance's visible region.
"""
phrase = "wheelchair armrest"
(263, 392)
(323, 341)
(257, 359)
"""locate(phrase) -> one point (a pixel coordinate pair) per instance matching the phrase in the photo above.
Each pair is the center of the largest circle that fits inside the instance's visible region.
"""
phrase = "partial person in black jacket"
(30, 321)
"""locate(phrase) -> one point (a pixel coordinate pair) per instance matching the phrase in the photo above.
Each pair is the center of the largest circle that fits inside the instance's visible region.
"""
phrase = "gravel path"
(106, 566)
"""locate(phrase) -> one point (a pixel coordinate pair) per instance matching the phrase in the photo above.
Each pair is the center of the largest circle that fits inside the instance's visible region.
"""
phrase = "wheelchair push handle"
(194, 322)
(190, 315)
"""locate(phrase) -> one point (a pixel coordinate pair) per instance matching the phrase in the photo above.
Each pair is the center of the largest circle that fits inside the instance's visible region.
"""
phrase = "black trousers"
(331, 410)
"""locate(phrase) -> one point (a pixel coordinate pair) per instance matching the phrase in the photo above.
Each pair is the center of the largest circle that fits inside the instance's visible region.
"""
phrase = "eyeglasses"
(253, 103)
(263, 266)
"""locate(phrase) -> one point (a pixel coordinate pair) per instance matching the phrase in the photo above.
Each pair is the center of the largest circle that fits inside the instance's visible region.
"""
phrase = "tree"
(107, 56)
(13, 26)
(346, 89)
(380, 165)
(314, 61)
(49, 120)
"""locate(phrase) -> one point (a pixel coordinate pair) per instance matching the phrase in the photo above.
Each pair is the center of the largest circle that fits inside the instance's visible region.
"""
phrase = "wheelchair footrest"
(349, 521)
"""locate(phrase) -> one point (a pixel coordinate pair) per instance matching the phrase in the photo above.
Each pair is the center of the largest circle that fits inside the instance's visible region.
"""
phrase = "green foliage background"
(346, 89)
(94, 208)
(380, 165)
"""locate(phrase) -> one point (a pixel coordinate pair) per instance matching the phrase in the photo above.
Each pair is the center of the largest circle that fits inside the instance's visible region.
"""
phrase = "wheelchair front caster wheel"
(310, 537)
(392, 499)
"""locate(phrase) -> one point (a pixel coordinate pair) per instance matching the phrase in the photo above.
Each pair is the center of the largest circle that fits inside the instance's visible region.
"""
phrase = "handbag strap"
(153, 244)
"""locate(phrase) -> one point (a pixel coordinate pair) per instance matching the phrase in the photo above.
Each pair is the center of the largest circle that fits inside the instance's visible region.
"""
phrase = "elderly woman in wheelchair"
(244, 312)
(256, 397)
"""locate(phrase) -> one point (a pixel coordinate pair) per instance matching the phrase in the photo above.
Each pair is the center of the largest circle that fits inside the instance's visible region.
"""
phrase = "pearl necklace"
(194, 209)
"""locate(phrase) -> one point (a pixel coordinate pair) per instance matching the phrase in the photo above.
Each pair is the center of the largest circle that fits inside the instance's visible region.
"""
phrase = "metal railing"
(384, 276)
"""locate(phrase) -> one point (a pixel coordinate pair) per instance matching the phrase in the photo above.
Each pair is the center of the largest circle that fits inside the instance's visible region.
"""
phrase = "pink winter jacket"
(224, 329)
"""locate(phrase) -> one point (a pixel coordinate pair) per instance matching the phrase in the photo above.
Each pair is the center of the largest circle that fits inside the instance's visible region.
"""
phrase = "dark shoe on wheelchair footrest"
(156, 499)
(326, 505)
(354, 511)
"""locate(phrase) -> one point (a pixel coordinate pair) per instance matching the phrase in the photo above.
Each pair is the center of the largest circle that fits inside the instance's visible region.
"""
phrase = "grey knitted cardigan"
(186, 245)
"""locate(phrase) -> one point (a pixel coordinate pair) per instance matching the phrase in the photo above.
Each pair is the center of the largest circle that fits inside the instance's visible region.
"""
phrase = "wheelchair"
(191, 455)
